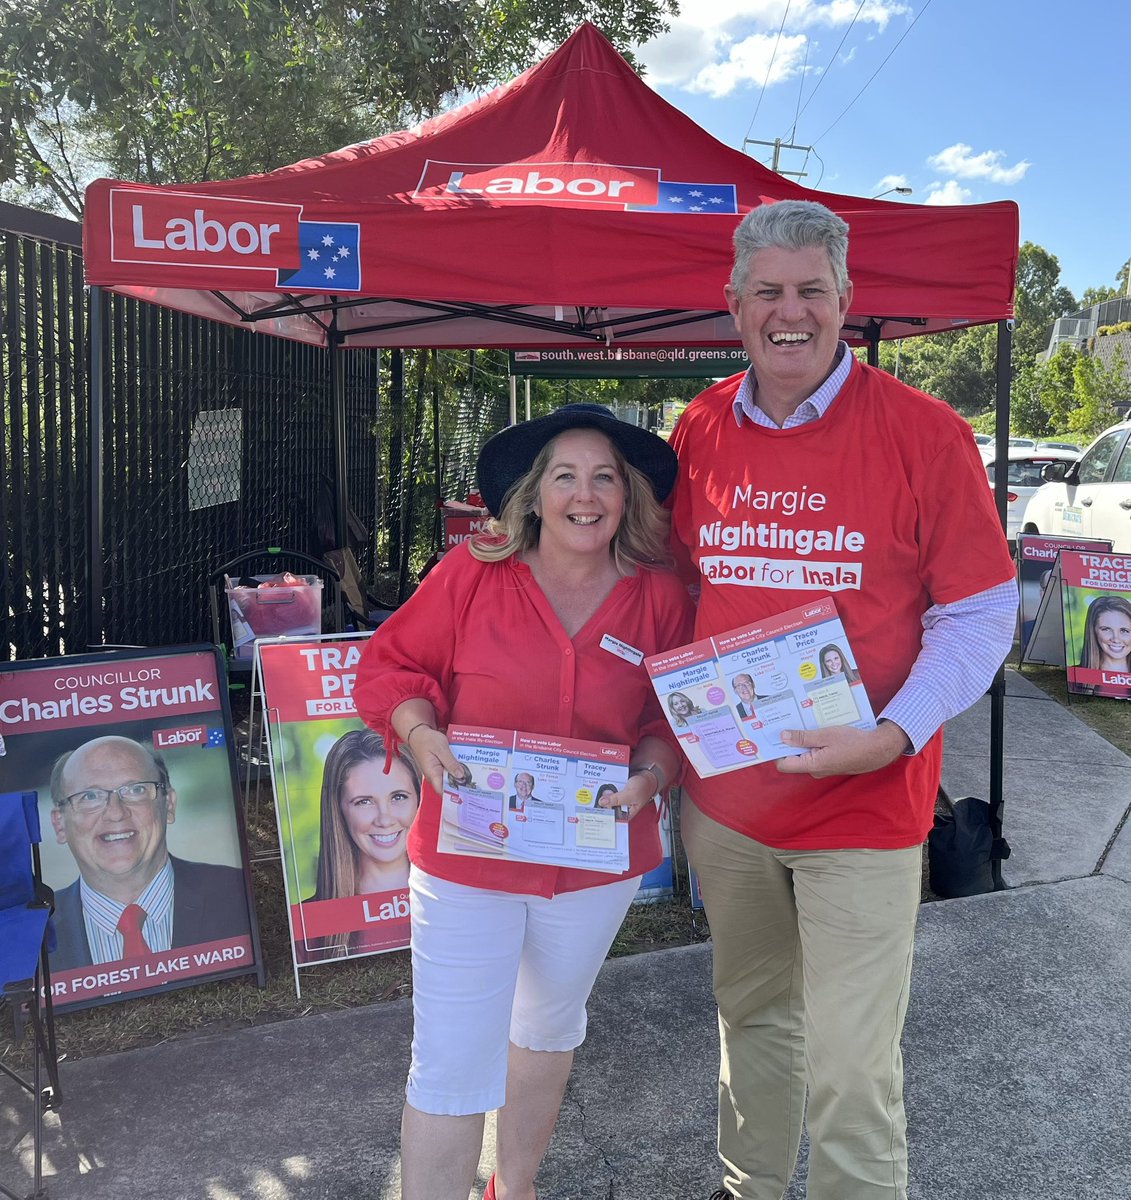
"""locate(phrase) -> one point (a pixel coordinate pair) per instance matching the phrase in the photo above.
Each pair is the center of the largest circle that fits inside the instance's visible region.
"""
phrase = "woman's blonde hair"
(640, 539)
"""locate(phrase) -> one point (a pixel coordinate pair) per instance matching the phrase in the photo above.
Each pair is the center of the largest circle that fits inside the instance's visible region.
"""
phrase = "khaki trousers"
(812, 964)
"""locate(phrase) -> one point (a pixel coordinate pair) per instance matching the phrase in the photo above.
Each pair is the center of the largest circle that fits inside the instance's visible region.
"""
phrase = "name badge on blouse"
(622, 650)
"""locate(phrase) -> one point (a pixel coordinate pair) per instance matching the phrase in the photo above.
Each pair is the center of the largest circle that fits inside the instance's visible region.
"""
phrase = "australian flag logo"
(674, 197)
(329, 257)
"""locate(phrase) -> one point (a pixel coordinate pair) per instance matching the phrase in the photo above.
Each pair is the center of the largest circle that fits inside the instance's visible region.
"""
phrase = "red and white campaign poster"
(143, 841)
(1096, 597)
(1036, 557)
(344, 806)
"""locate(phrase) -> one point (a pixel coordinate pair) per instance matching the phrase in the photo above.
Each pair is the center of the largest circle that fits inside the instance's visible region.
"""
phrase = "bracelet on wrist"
(654, 769)
(425, 724)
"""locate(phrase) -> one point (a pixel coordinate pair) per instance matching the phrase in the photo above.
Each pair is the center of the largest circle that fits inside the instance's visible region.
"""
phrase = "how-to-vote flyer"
(728, 697)
(530, 797)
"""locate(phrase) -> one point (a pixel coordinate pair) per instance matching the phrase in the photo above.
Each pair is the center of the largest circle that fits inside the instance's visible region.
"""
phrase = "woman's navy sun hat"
(506, 457)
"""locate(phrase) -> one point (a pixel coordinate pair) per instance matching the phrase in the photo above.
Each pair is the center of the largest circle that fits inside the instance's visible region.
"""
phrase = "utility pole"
(778, 146)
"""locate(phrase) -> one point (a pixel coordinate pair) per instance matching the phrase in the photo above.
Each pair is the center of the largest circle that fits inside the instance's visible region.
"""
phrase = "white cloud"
(888, 182)
(951, 192)
(840, 12)
(724, 44)
(760, 57)
(960, 161)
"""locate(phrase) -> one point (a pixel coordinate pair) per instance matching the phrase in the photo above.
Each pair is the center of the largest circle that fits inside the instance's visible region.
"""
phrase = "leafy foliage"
(188, 90)
(1072, 393)
(1040, 300)
(957, 367)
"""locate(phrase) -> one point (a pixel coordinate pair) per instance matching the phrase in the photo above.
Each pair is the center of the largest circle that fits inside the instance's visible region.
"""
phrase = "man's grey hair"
(791, 225)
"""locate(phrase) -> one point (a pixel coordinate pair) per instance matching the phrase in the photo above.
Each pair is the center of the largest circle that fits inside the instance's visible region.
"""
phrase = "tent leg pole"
(514, 400)
(338, 399)
(997, 688)
(95, 613)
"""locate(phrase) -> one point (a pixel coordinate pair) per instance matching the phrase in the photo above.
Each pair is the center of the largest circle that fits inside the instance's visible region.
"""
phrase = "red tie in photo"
(129, 926)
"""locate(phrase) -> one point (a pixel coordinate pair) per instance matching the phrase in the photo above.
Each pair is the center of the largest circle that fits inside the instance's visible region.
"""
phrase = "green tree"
(1040, 300)
(1043, 394)
(958, 367)
(1097, 386)
(187, 90)
(1098, 295)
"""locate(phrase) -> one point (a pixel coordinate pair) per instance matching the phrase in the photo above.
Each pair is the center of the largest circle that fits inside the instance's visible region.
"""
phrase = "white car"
(1023, 478)
(1090, 497)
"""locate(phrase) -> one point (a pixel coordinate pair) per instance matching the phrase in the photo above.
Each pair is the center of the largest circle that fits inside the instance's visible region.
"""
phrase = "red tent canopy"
(570, 205)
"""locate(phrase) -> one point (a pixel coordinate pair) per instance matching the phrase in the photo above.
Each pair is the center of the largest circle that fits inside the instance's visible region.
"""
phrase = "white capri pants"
(490, 968)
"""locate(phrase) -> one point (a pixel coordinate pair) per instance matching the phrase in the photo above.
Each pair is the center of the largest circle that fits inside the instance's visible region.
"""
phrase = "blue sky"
(981, 100)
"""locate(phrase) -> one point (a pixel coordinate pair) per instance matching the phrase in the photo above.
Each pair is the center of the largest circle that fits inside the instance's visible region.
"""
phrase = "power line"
(875, 72)
(801, 88)
(770, 68)
(821, 78)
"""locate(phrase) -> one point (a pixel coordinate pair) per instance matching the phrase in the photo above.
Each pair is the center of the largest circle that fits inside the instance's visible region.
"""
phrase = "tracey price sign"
(344, 811)
(143, 841)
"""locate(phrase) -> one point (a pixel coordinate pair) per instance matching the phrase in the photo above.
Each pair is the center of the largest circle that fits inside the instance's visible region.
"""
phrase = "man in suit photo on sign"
(523, 792)
(112, 804)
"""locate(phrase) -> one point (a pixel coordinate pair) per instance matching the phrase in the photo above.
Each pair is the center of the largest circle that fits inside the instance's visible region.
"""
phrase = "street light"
(899, 191)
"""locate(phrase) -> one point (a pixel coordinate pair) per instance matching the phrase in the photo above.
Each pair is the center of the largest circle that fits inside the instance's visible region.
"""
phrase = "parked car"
(1090, 497)
(1021, 443)
(1060, 446)
(1023, 479)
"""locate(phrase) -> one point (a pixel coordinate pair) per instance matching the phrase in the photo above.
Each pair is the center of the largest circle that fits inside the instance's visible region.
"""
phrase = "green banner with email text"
(604, 362)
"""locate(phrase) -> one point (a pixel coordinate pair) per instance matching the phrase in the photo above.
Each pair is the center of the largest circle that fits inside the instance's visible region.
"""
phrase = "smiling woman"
(540, 626)
(367, 808)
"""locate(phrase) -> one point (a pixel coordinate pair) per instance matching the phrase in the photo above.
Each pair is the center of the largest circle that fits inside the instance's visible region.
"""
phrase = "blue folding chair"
(26, 936)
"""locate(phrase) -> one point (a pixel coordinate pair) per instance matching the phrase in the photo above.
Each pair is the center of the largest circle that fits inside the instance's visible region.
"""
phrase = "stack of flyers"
(529, 797)
(729, 697)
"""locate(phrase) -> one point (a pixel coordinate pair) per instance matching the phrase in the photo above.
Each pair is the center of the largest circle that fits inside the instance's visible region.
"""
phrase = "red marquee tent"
(571, 205)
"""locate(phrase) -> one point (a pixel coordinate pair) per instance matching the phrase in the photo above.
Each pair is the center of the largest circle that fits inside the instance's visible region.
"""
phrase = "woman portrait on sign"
(834, 661)
(681, 707)
(369, 800)
(1107, 635)
(576, 552)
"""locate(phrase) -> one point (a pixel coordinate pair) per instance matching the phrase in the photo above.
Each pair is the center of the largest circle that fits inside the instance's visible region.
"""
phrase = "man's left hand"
(842, 750)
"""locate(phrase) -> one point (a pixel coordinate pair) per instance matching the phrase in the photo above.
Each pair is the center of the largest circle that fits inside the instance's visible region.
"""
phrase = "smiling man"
(808, 474)
(523, 792)
(113, 802)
